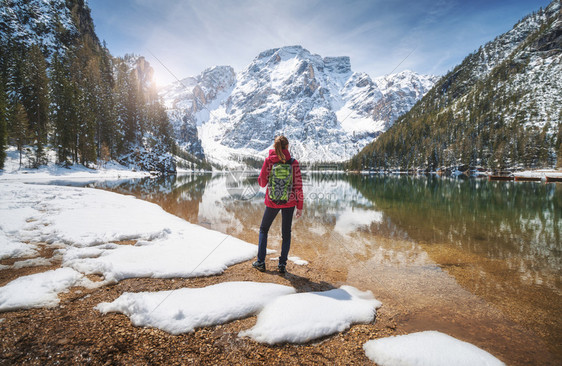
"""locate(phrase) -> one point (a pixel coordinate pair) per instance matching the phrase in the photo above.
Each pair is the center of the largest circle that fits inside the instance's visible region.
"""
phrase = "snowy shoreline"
(13, 172)
(87, 228)
(111, 170)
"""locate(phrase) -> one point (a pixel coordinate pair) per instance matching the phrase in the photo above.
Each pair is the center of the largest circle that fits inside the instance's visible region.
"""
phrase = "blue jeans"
(268, 217)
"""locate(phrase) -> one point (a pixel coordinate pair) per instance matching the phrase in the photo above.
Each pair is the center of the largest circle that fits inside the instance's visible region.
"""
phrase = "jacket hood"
(275, 159)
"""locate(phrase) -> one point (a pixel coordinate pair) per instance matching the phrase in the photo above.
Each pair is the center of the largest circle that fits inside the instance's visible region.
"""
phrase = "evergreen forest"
(77, 99)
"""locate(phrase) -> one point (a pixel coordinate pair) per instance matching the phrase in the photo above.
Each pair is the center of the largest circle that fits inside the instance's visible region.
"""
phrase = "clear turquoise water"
(481, 254)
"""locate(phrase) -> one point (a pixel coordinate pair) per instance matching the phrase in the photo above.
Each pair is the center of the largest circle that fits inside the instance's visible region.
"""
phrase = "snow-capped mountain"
(493, 53)
(400, 92)
(500, 108)
(327, 111)
(189, 103)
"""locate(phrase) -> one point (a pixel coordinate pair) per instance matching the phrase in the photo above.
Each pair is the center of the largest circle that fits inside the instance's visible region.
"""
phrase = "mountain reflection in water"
(500, 241)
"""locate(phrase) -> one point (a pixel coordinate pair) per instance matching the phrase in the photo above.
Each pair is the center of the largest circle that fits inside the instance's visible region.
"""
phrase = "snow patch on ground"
(76, 216)
(14, 249)
(40, 289)
(296, 260)
(12, 170)
(540, 173)
(428, 348)
(86, 225)
(182, 310)
(14, 218)
(302, 317)
(188, 253)
(33, 262)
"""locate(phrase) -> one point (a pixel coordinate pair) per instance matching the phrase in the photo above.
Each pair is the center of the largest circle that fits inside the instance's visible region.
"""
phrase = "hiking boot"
(260, 266)
(282, 268)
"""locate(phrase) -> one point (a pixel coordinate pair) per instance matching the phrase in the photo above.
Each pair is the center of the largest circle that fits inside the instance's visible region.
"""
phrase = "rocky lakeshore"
(76, 333)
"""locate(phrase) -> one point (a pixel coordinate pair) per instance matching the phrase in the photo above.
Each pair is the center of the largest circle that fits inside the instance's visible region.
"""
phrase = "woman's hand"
(299, 213)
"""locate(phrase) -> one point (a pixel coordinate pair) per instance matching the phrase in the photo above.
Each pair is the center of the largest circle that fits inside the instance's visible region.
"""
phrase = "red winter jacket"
(296, 197)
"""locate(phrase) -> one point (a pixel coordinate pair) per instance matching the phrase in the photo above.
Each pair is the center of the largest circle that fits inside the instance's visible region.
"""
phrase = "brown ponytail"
(280, 143)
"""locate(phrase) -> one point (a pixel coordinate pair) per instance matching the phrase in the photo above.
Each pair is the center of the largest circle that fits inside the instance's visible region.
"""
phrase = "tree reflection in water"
(499, 240)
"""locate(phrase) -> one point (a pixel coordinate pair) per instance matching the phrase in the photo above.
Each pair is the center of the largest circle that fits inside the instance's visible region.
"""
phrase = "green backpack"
(281, 182)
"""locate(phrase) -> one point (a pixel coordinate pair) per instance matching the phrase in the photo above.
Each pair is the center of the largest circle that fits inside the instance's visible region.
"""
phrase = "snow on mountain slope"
(327, 111)
(400, 92)
(493, 53)
(504, 99)
(540, 81)
(48, 22)
(531, 52)
(190, 100)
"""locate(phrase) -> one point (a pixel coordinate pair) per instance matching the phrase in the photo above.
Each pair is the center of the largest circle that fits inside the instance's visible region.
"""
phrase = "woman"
(284, 168)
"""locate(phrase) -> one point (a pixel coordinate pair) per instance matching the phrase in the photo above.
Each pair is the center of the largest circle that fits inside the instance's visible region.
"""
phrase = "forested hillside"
(500, 108)
(61, 89)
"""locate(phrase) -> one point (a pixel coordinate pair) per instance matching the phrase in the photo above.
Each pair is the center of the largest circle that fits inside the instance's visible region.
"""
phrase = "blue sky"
(190, 35)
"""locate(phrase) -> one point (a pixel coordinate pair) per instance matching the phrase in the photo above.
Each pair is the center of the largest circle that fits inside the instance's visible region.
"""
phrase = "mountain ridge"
(327, 111)
(499, 108)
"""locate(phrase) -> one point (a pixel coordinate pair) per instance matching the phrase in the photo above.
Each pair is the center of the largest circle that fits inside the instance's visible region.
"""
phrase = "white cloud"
(189, 36)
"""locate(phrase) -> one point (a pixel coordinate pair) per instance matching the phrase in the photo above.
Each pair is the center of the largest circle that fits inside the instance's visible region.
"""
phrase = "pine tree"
(19, 128)
(129, 109)
(134, 104)
(120, 110)
(35, 97)
(106, 118)
(90, 110)
(14, 72)
(157, 119)
(559, 142)
(63, 111)
(3, 123)
(3, 103)
(559, 157)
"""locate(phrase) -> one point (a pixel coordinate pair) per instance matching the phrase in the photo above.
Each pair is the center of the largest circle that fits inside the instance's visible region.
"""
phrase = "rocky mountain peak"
(327, 111)
(189, 101)
(142, 69)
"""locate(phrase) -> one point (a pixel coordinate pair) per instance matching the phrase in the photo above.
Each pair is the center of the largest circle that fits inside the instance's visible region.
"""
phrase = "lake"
(476, 259)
